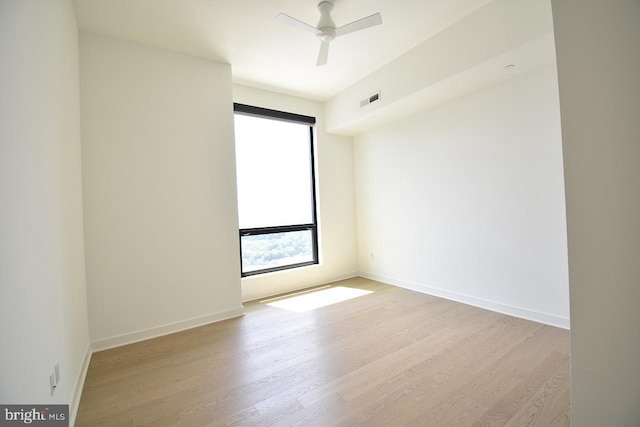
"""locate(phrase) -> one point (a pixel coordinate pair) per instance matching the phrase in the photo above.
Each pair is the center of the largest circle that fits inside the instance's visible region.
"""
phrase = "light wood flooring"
(390, 358)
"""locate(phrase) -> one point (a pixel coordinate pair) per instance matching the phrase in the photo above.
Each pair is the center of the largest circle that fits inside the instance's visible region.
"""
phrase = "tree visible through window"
(276, 189)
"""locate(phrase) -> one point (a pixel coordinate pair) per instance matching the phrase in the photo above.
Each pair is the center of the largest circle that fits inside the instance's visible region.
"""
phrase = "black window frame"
(266, 113)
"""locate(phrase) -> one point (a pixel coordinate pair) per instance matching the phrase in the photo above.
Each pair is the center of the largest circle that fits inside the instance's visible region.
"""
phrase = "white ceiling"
(266, 53)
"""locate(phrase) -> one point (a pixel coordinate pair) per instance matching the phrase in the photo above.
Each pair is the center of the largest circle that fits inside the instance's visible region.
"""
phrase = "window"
(276, 189)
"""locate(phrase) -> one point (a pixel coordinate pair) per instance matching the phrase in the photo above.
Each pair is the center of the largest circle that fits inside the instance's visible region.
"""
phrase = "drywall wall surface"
(500, 28)
(466, 200)
(159, 193)
(335, 202)
(598, 48)
(43, 308)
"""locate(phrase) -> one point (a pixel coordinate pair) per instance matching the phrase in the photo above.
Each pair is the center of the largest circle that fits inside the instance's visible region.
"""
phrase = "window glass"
(274, 170)
(266, 251)
(276, 190)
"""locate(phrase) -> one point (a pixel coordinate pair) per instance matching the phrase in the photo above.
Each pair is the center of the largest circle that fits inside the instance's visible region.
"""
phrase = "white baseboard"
(133, 337)
(76, 393)
(536, 316)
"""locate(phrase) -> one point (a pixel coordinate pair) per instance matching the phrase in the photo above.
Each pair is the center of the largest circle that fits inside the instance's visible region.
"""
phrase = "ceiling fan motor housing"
(326, 26)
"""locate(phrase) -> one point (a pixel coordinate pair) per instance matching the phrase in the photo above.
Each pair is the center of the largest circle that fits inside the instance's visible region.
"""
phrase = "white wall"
(336, 208)
(598, 48)
(460, 59)
(159, 194)
(466, 200)
(43, 309)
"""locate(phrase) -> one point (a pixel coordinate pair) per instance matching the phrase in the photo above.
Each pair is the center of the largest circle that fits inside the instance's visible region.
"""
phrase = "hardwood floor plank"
(525, 390)
(392, 357)
(319, 414)
(550, 406)
(362, 379)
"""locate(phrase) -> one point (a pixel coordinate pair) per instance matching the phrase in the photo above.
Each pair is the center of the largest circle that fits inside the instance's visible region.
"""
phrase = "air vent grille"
(370, 99)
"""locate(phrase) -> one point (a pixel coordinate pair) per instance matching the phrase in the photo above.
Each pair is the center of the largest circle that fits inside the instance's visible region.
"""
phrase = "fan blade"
(324, 54)
(296, 23)
(360, 24)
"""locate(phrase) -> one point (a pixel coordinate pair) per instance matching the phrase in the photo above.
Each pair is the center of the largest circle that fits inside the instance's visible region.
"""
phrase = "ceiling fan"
(326, 29)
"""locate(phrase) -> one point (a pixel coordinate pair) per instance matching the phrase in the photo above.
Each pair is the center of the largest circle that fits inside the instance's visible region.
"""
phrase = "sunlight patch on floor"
(316, 299)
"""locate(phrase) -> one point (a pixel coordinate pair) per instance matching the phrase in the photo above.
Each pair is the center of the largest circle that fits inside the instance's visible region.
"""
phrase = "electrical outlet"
(52, 382)
(54, 378)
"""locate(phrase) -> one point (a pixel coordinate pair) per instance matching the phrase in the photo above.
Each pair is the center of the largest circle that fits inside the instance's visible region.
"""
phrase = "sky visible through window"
(273, 169)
